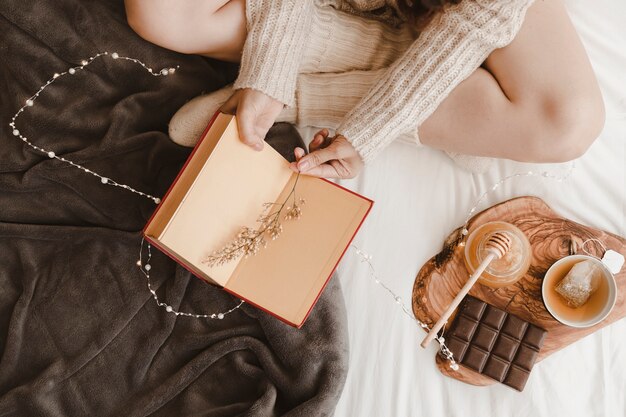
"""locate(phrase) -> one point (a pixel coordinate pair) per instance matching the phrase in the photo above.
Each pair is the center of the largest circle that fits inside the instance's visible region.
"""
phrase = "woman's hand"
(256, 113)
(329, 157)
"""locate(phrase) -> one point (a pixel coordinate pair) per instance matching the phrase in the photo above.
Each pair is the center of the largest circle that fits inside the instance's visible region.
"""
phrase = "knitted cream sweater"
(451, 47)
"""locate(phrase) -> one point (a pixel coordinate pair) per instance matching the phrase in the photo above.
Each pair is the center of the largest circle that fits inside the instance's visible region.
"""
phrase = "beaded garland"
(30, 102)
(146, 267)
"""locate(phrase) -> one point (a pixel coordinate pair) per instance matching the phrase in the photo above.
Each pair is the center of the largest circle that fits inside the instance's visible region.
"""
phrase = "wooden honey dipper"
(498, 244)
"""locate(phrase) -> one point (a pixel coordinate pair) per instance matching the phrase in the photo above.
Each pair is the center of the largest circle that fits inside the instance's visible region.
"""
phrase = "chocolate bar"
(494, 343)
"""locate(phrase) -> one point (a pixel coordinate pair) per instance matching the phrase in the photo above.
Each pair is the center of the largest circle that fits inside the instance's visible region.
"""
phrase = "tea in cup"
(580, 310)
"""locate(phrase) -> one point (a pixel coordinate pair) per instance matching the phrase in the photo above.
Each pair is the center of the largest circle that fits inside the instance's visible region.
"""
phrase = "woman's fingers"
(230, 106)
(330, 157)
(325, 170)
(330, 169)
(247, 129)
(335, 150)
(319, 140)
(316, 158)
(246, 119)
(256, 113)
(298, 153)
(315, 144)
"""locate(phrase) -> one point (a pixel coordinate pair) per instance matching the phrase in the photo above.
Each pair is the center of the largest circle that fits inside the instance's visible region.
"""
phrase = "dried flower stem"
(249, 241)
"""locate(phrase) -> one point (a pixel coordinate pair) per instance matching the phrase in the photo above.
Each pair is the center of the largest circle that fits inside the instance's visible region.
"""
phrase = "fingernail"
(257, 146)
(304, 165)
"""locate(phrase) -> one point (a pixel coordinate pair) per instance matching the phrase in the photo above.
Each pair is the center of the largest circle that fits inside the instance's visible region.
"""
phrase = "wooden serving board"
(440, 279)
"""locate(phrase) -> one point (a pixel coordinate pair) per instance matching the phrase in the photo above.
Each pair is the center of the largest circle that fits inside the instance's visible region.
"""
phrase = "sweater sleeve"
(451, 47)
(274, 46)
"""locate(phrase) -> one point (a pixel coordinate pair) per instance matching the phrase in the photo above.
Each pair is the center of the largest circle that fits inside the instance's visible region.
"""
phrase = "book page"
(287, 276)
(186, 177)
(228, 193)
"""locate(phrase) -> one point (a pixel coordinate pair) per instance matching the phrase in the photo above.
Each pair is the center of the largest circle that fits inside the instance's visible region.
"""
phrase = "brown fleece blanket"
(79, 333)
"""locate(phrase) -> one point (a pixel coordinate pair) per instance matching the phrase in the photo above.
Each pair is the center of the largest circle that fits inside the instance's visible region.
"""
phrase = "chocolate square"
(457, 347)
(464, 328)
(494, 317)
(525, 357)
(475, 358)
(505, 347)
(473, 308)
(485, 337)
(496, 368)
(493, 342)
(534, 336)
(514, 327)
(516, 378)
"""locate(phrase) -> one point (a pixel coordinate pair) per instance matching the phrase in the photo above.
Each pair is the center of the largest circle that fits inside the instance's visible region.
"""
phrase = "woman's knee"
(214, 28)
(567, 127)
(159, 22)
(181, 26)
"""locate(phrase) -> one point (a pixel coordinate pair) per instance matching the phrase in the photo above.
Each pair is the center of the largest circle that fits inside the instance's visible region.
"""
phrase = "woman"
(492, 78)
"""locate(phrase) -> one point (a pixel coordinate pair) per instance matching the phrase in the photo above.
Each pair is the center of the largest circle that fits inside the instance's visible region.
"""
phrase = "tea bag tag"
(613, 260)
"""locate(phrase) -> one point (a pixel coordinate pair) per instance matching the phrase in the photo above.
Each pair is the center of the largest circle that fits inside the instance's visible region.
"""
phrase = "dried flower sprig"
(249, 241)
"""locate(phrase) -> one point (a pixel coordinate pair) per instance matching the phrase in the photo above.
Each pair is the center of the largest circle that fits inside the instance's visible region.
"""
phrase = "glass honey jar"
(504, 271)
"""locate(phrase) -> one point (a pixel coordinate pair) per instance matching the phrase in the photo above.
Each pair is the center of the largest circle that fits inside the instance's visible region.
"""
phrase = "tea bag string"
(593, 239)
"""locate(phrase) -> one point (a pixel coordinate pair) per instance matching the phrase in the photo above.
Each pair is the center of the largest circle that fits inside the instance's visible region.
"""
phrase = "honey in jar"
(504, 271)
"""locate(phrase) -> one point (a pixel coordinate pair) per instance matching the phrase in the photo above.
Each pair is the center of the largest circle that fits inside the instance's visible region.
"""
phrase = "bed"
(420, 197)
(80, 334)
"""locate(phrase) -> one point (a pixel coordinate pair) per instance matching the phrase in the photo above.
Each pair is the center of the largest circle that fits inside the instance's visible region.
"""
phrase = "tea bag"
(580, 283)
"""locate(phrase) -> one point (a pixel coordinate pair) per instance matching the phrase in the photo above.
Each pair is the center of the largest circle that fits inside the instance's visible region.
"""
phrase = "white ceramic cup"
(609, 303)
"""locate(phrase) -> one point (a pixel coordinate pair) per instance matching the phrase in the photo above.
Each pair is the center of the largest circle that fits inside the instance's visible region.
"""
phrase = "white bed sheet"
(420, 197)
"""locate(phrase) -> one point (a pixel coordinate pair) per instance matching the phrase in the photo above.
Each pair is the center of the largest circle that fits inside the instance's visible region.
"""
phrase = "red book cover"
(224, 186)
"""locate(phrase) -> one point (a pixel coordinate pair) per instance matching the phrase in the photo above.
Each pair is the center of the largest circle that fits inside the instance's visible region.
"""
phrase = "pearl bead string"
(494, 187)
(30, 102)
(146, 268)
(366, 258)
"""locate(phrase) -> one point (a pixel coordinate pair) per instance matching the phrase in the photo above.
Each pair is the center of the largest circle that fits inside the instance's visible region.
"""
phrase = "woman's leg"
(337, 41)
(213, 28)
(535, 100)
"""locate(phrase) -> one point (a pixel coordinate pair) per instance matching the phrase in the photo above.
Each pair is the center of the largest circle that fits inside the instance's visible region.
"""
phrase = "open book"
(223, 187)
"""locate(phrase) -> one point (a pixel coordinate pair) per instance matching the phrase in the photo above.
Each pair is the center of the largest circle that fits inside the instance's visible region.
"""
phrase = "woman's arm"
(274, 47)
(534, 100)
(270, 61)
(271, 56)
(452, 47)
